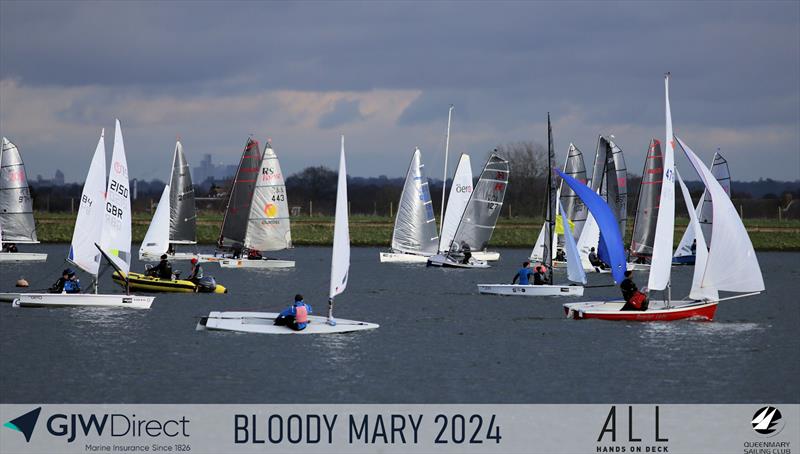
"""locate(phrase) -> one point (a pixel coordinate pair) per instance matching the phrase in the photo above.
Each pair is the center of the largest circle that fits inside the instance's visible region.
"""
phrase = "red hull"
(703, 312)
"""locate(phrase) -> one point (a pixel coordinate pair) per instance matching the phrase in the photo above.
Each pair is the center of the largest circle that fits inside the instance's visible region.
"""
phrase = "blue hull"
(683, 260)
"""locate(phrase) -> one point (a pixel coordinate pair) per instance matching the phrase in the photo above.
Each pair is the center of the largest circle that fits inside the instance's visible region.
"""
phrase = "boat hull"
(657, 312)
(177, 257)
(530, 290)
(255, 264)
(83, 300)
(140, 282)
(16, 257)
(447, 262)
(683, 260)
(400, 257)
(263, 323)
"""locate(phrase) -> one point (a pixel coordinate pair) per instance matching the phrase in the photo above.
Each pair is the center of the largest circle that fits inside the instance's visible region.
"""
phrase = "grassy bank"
(766, 234)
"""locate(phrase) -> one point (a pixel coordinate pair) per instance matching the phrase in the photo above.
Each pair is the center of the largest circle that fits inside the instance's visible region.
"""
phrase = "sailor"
(694, 247)
(595, 261)
(197, 271)
(10, 247)
(561, 256)
(171, 249)
(634, 299)
(295, 316)
(539, 277)
(465, 249)
(253, 254)
(523, 274)
(163, 270)
(67, 283)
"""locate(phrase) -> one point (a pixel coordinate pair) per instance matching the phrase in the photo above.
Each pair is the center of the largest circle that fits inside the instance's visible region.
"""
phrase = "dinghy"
(17, 225)
(728, 264)
(104, 214)
(263, 322)
(257, 215)
(575, 271)
(182, 215)
(479, 218)
(683, 254)
(644, 222)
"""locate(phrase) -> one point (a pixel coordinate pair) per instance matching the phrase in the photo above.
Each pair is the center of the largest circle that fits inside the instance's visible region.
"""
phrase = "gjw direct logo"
(25, 423)
(768, 421)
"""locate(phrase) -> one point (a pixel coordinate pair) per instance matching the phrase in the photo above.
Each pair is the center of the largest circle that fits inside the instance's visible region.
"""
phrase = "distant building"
(207, 169)
(58, 180)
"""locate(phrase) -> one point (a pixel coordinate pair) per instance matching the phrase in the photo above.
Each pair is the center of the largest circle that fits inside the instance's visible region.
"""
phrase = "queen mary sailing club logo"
(768, 421)
(25, 423)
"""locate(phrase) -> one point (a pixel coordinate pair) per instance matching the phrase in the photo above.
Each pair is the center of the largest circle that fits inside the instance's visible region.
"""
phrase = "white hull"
(446, 262)
(83, 300)
(9, 297)
(178, 257)
(593, 269)
(400, 257)
(256, 264)
(638, 266)
(12, 257)
(263, 323)
(531, 290)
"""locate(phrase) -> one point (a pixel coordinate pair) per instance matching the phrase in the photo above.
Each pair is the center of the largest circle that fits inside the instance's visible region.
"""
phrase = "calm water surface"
(439, 341)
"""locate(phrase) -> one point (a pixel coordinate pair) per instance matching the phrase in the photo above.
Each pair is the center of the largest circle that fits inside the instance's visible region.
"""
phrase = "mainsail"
(644, 224)
(340, 255)
(573, 206)
(484, 206)
(240, 197)
(89, 223)
(116, 238)
(268, 227)
(697, 292)
(575, 271)
(721, 172)
(610, 177)
(415, 225)
(183, 214)
(16, 203)
(460, 191)
(156, 240)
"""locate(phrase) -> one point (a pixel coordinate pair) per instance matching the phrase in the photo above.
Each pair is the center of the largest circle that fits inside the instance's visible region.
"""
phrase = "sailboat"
(684, 254)
(414, 237)
(17, 225)
(263, 322)
(575, 271)
(257, 214)
(644, 222)
(104, 214)
(728, 264)
(479, 218)
(180, 222)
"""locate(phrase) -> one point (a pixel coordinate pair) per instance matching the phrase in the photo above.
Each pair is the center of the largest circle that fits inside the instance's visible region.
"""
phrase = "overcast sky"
(384, 74)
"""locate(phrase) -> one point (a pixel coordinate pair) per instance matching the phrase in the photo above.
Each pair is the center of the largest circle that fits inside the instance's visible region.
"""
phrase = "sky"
(384, 74)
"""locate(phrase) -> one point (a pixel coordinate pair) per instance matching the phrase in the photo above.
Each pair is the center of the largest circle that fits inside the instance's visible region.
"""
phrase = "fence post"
(741, 211)
(72, 204)
(509, 211)
(310, 208)
(780, 216)
(391, 209)
(348, 209)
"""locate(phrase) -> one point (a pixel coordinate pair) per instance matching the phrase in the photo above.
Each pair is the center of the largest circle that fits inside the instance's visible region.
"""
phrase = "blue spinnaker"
(610, 235)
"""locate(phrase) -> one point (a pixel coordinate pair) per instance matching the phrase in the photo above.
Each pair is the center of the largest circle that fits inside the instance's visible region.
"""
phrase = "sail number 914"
(459, 429)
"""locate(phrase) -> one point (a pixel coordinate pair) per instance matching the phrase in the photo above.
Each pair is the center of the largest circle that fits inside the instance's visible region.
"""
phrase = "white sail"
(268, 227)
(116, 238)
(460, 191)
(16, 203)
(156, 240)
(590, 237)
(340, 257)
(89, 223)
(575, 271)
(732, 263)
(697, 292)
(415, 226)
(537, 253)
(661, 261)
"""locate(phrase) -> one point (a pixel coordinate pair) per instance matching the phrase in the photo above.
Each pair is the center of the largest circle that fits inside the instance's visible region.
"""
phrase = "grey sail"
(183, 215)
(720, 170)
(574, 207)
(16, 203)
(550, 215)
(644, 223)
(240, 197)
(483, 208)
(610, 177)
(415, 225)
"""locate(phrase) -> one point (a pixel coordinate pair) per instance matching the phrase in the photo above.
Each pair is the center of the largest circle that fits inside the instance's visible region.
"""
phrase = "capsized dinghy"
(263, 322)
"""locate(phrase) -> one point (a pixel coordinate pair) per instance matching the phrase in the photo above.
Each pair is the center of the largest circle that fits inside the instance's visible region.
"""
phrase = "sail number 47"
(457, 429)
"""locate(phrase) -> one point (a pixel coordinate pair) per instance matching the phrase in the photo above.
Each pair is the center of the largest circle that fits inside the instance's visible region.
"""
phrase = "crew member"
(595, 261)
(67, 283)
(465, 249)
(561, 256)
(539, 277)
(523, 274)
(10, 247)
(197, 271)
(253, 254)
(694, 247)
(634, 299)
(163, 270)
(295, 316)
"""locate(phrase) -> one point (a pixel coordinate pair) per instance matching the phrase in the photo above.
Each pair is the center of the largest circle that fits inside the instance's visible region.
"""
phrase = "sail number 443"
(458, 429)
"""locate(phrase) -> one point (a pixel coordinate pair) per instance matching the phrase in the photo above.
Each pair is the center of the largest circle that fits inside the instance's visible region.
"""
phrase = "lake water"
(439, 341)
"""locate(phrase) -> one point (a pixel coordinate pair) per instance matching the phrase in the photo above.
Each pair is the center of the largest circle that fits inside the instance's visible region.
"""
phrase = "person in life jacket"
(197, 271)
(254, 254)
(634, 299)
(540, 276)
(524, 274)
(67, 283)
(295, 316)
(163, 270)
(467, 251)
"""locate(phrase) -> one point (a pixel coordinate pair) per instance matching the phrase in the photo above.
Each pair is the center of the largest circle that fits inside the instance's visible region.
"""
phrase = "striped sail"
(644, 224)
(415, 225)
(182, 211)
(240, 197)
(16, 203)
(573, 205)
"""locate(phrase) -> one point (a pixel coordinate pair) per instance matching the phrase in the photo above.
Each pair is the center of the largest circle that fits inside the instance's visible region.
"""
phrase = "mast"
(444, 179)
(551, 223)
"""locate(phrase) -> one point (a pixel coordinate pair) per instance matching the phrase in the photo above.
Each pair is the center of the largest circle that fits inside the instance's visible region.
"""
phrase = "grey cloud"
(343, 112)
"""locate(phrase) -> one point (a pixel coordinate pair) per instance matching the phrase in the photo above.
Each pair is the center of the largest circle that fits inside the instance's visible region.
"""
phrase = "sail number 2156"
(458, 429)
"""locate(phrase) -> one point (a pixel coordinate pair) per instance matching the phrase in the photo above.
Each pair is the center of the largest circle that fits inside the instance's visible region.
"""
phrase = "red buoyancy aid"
(301, 314)
(637, 299)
